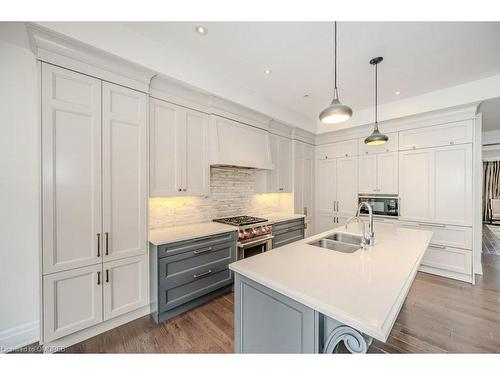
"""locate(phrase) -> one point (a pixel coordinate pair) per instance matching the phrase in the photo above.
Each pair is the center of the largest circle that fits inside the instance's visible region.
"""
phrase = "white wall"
(19, 184)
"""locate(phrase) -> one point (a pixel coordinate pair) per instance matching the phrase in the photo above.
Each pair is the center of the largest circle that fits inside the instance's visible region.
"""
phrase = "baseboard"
(74, 338)
(445, 273)
(17, 337)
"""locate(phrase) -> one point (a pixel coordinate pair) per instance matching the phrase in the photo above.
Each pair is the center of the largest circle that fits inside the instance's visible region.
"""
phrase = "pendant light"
(336, 112)
(376, 138)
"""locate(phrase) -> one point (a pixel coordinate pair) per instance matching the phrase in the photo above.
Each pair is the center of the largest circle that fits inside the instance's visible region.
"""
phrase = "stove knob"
(248, 234)
(241, 235)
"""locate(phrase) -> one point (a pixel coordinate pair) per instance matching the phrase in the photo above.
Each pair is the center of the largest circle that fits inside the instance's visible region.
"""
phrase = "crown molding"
(442, 116)
(58, 49)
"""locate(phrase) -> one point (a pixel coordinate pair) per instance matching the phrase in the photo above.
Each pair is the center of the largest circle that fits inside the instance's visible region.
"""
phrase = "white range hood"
(236, 144)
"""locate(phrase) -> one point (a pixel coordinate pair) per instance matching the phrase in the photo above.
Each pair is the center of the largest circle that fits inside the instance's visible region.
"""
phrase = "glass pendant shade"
(336, 112)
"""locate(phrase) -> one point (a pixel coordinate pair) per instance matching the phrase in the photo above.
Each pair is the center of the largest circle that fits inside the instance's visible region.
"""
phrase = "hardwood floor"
(491, 243)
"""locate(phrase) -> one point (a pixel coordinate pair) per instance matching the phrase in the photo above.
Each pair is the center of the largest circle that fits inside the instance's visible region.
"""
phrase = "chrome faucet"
(368, 235)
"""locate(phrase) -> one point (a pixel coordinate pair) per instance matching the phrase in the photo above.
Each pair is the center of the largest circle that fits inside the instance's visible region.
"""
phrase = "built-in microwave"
(383, 205)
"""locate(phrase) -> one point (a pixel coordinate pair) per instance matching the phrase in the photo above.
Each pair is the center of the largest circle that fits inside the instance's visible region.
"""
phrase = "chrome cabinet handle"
(179, 189)
(184, 189)
(431, 225)
(196, 252)
(196, 276)
(437, 246)
(98, 245)
(280, 189)
(98, 277)
(106, 235)
(107, 276)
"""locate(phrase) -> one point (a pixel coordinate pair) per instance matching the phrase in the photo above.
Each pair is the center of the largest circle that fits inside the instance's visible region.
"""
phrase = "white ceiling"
(419, 57)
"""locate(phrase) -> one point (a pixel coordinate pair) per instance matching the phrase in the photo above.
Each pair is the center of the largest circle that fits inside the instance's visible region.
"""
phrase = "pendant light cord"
(335, 55)
(376, 93)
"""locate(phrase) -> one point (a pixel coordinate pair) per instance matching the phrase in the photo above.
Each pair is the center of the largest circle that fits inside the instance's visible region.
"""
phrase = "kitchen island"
(303, 298)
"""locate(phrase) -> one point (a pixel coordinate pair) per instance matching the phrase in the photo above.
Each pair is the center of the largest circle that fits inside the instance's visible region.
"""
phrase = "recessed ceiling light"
(397, 92)
(201, 30)
(267, 71)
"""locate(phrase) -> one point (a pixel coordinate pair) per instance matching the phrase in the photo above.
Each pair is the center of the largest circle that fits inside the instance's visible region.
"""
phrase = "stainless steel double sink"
(342, 242)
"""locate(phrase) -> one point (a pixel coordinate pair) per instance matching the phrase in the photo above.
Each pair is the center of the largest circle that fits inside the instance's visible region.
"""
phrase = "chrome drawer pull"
(432, 225)
(196, 276)
(437, 246)
(202, 251)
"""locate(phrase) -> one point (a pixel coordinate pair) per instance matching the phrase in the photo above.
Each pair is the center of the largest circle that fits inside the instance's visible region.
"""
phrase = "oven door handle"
(256, 242)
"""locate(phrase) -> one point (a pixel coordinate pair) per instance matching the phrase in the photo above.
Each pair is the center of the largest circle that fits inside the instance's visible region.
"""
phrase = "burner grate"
(240, 220)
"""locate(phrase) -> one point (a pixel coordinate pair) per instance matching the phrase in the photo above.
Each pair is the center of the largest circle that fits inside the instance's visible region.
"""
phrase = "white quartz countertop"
(364, 290)
(279, 217)
(163, 236)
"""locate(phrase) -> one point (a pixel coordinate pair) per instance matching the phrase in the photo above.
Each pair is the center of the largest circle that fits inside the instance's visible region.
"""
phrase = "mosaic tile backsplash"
(232, 192)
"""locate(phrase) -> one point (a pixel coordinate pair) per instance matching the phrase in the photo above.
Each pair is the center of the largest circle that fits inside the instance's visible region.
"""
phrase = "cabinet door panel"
(125, 286)
(167, 124)
(196, 167)
(387, 173)
(453, 184)
(298, 179)
(415, 184)
(326, 186)
(124, 171)
(72, 301)
(438, 135)
(347, 185)
(308, 182)
(71, 169)
(284, 165)
(367, 174)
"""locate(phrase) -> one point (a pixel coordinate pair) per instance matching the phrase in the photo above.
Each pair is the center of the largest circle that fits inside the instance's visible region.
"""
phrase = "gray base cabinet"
(266, 321)
(289, 231)
(188, 273)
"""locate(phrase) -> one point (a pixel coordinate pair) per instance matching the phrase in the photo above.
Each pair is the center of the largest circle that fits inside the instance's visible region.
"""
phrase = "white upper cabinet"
(453, 184)
(439, 135)
(367, 174)
(436, 184)
(278, 180)
(338, 150)
(378, 173)
(347, 183)
(389, 146)
(178, 151)
(336, 189)
(303, 182)
(415, 184)
(326, 185)
(124, 160)
(237, 144)
(387, 173)
(196, 165)
(71, 169)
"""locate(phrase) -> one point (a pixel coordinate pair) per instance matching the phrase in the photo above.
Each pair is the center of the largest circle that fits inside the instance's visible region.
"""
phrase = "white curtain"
(491, 183)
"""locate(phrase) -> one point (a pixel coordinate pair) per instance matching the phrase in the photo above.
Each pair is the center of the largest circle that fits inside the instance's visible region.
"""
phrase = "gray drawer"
(288, 236)
(195, 244)
(285, 225)
(170, 298)
(180, 268)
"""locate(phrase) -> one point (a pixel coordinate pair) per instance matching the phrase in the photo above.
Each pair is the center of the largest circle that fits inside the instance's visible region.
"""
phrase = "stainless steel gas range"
(255, 234)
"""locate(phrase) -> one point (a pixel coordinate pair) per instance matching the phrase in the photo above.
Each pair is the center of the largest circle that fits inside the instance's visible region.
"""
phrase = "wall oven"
(382, 205)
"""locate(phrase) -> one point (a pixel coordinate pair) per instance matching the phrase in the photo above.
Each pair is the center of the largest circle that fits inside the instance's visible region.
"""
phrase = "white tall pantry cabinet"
(303, 190)
(94, 198)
